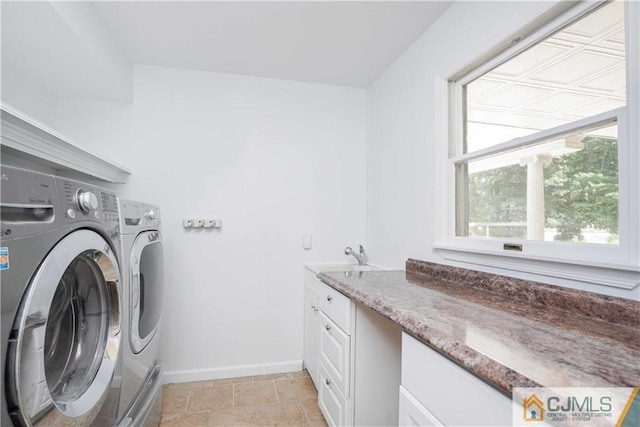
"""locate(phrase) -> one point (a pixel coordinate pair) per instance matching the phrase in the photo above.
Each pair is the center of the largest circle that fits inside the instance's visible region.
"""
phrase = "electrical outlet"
(187, 223)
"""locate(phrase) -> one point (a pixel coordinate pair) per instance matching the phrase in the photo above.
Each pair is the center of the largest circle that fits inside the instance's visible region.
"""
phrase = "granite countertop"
(509, 332)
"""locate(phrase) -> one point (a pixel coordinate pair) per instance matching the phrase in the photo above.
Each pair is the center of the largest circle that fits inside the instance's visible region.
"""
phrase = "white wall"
(64, 48)
(26, 95)
(402, 210)
(274, 159)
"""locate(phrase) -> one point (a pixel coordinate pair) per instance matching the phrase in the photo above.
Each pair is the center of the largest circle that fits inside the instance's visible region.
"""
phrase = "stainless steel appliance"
(142, 260)
(61, 314)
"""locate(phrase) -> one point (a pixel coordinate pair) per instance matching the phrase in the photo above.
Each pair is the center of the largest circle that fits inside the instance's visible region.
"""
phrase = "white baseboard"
(231, 372)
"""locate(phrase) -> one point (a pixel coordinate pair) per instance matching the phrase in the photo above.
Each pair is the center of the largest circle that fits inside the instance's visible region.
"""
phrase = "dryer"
(143, 279)
(61, 290)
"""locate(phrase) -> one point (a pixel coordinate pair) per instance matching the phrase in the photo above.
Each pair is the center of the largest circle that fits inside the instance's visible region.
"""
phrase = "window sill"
(623, 276)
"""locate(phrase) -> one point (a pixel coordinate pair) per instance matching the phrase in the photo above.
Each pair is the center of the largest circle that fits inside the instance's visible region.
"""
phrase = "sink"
(320, 268)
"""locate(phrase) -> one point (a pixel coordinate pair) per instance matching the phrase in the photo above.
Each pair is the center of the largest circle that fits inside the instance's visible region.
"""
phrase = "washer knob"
(87, 201)
(150, 215)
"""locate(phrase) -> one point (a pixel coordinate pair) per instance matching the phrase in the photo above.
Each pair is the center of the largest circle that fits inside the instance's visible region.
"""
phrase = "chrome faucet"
(362, 257)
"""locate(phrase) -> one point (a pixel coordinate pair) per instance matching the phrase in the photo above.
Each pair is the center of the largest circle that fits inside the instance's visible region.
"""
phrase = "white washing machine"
(61, 300)
(143, 278)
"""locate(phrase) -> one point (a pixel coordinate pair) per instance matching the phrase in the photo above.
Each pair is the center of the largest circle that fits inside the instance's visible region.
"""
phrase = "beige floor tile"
(287, 399)
(188, 386)
(298, 374)
(174, 402)
(285, 414)
(200, 419)
(249, 394)
(224, 417)
(268, 377)
(312, 410)
(233, 380)
(206, 399)
(296, 389)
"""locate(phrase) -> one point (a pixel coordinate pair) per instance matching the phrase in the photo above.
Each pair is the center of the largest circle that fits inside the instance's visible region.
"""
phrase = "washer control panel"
(82, 201)
(136, 216)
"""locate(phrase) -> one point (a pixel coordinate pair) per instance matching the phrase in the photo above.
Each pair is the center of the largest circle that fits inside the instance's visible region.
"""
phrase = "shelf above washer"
(26, 137)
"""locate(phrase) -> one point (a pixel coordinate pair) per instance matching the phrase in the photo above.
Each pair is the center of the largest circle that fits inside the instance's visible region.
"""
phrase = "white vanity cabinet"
(435, 391)
(357, 355)
(335, 324)
(311, 331)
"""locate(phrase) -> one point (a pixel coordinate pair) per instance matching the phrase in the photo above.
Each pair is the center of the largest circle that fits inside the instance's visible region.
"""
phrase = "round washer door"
(62, 361)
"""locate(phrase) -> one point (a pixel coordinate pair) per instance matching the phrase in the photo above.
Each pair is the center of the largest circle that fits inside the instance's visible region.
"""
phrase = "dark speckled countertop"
(509, 332)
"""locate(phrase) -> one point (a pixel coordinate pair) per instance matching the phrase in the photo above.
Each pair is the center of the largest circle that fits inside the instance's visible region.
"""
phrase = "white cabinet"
(311, 334)
(445, 392)
(335, 324)
(357, 354)
(413, 414)
(337, 307)
(334, 406)
(335, 353)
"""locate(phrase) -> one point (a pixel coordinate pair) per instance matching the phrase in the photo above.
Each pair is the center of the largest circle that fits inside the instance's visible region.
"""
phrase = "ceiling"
(338, 43)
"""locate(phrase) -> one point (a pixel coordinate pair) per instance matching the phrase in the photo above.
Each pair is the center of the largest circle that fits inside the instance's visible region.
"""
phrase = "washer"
(142, 261)
(61, 290)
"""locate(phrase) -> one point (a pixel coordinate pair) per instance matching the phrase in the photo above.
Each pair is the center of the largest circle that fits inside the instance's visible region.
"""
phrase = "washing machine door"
(147, 282)
(66, 335)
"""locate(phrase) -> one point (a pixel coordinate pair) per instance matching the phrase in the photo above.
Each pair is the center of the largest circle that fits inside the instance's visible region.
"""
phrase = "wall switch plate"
(187, 223)
(306, 241)
(198, 223)
(217, 223)
(209, 223)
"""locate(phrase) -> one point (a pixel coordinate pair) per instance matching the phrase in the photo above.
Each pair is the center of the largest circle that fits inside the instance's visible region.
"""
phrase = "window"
(543, 150)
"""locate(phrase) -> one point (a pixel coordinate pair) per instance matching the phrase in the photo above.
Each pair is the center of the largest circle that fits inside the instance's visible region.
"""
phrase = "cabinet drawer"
(413, 414)
(337, 307)
(335, 352)
(440, 385)
(331, 401)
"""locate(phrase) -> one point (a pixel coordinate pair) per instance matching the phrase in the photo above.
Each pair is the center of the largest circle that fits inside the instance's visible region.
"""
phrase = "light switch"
(306, 241)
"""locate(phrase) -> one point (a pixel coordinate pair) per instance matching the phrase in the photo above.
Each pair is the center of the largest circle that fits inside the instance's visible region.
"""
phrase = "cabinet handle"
(327, 381)
(328, 328)
(329, 298)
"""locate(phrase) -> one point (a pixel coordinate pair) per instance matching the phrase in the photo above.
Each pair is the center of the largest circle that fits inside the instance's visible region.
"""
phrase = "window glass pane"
(565, 189)
(576, 73)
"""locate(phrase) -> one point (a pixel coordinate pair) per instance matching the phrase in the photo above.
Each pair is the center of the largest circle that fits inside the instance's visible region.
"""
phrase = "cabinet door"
(311, 338)
(333, 404)
(335, 352)
(413, 414)
(440, 385)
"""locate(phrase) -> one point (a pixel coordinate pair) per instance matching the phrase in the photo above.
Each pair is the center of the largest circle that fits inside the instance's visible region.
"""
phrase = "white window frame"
(611, 265)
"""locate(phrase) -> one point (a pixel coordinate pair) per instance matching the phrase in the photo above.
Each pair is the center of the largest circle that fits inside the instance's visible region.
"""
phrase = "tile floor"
(288, 399)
